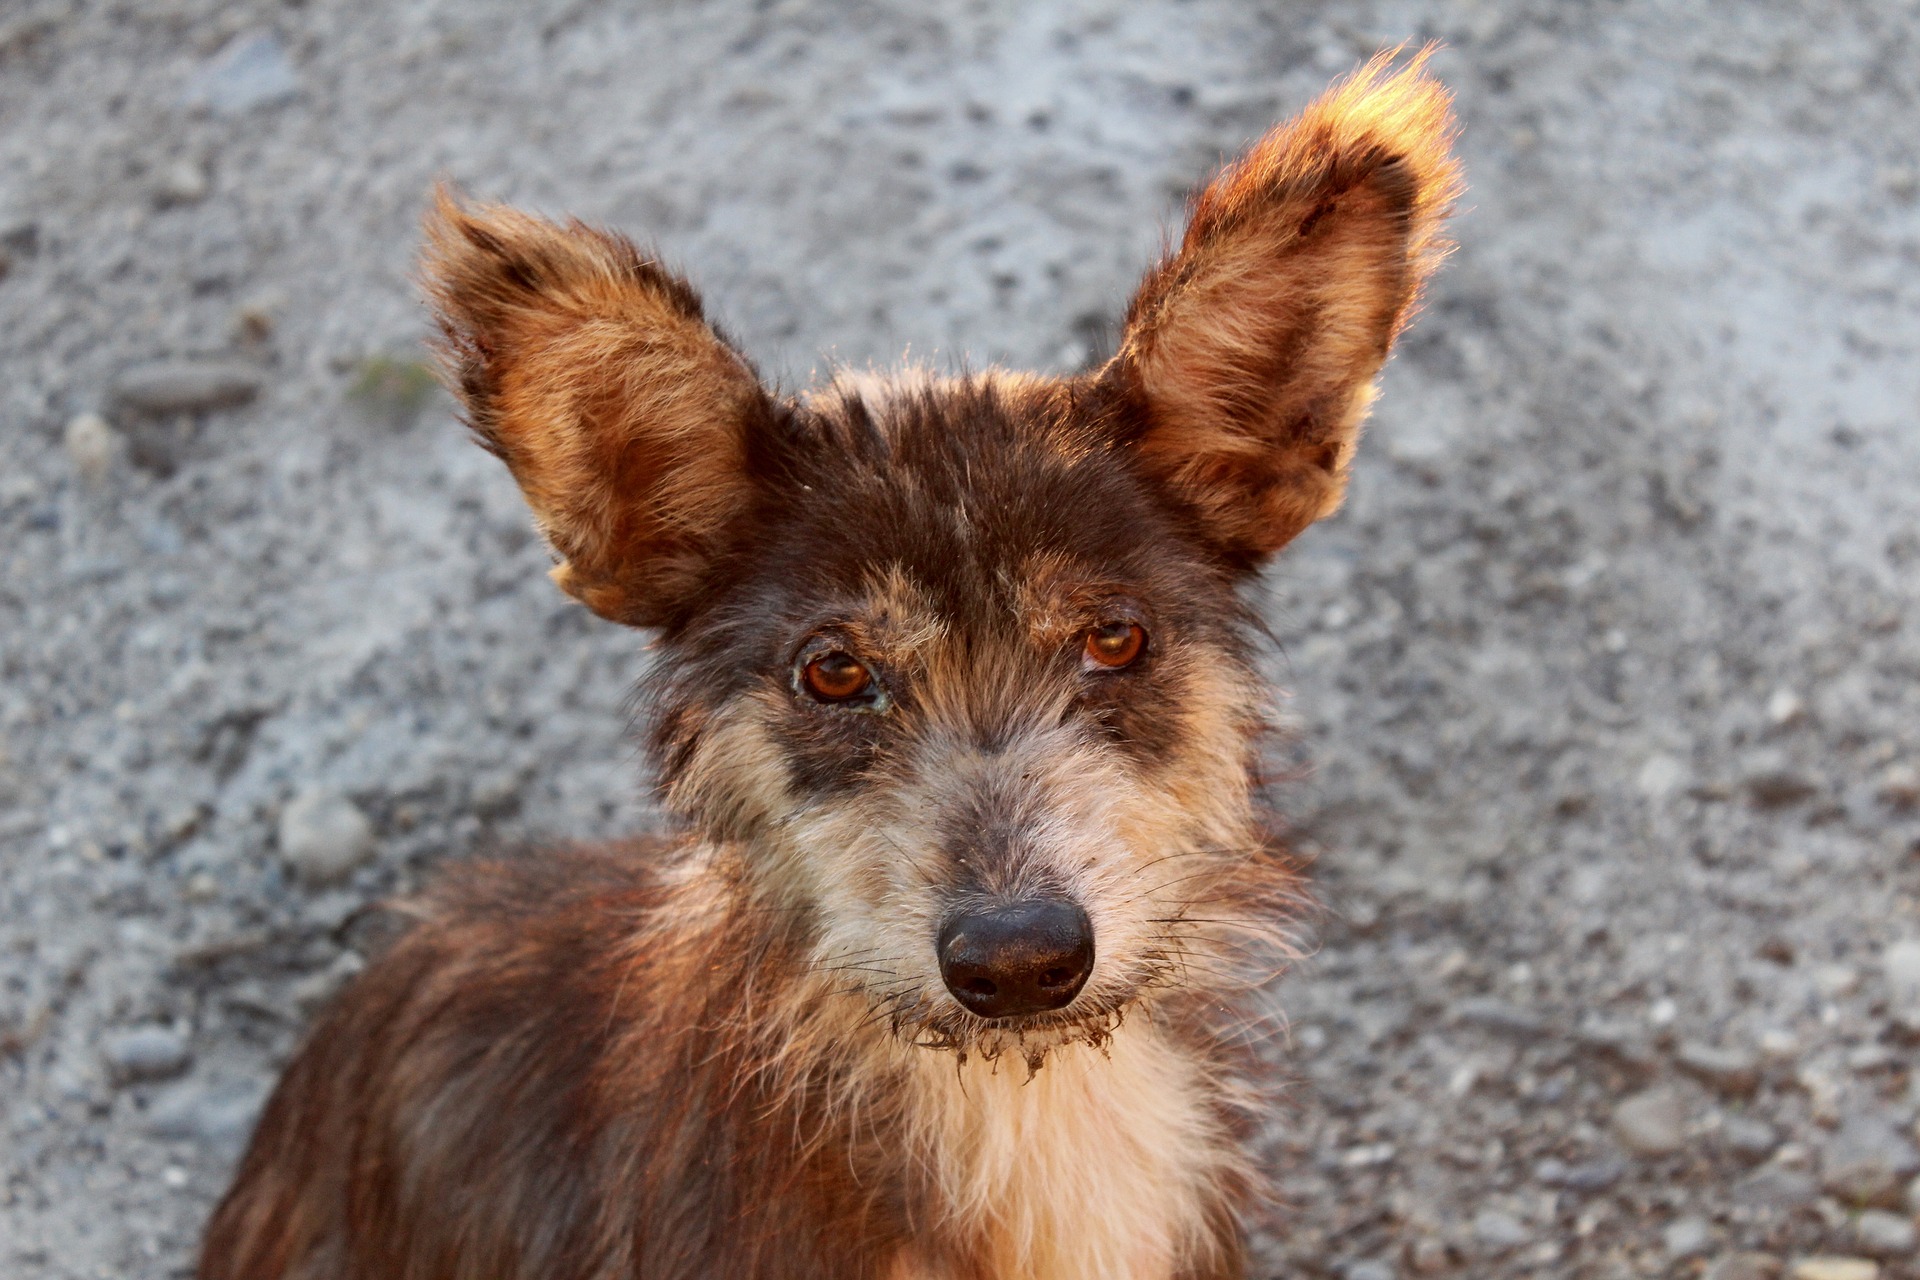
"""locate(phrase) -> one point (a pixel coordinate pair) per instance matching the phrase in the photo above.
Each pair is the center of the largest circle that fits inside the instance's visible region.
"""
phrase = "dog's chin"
(945, 1027)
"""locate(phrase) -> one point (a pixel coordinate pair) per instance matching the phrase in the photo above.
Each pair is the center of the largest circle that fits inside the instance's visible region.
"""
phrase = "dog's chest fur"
(1101, 1164)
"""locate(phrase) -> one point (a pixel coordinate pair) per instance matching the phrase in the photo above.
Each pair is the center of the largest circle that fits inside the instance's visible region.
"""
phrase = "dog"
(949, 973)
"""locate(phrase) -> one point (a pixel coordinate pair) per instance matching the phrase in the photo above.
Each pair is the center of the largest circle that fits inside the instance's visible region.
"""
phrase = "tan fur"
(1256, 345)
(590, 371)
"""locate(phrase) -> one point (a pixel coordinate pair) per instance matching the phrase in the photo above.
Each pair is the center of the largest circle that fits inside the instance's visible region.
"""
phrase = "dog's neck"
(1103, 1163)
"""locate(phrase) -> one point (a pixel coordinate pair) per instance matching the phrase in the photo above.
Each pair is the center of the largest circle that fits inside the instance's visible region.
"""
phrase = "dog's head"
(960, 664)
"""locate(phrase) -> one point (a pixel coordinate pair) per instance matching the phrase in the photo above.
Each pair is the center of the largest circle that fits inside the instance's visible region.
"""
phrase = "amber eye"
(1115, 644)
(835, 677)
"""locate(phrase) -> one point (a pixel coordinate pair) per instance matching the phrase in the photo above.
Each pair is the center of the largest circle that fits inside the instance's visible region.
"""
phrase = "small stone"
(1900, 787)
(219, 1115)
(1776, 1187)
(182, 182)
(145, 1053)
(1428, 1255)
(1836, 981)
(1867, 1162)
(1660, 776)
(92, 444)
(1773, 783)
(314, 990)
(1499, 1017)
(1785, 708)
(1687, 1237)
(1652, 1123)
(1622, 1045)
(1499, 1231)
(1899, 966)
(324, 837)
(1749, 1138)
(1865, 1059)
(186, 386)
(1594, 1175)
(254, 321)
(1835, 1269)
(1735, 1072)
(1745, 1266)
(1371, 1269)
(250, 71)
(1881, 1234)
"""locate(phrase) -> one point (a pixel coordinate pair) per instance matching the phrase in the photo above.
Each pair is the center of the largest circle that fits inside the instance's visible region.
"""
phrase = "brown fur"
(1258, 342)
(591, 372)
(731, 1053)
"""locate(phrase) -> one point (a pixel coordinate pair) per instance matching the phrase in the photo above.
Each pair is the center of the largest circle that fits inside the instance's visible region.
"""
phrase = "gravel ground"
(1608, 679)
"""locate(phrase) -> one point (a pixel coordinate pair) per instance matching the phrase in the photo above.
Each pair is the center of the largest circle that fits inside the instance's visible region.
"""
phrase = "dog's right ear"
(1253, 348)
(591, 371)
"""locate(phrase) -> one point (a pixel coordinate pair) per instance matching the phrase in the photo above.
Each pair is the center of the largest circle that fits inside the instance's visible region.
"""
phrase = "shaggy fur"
(731, 1053)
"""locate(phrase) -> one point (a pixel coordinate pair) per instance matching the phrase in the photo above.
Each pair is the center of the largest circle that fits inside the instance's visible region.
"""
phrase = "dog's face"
(960, 666)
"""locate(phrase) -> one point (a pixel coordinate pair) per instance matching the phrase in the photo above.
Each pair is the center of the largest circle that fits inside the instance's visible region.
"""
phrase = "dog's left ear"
(1252, 350)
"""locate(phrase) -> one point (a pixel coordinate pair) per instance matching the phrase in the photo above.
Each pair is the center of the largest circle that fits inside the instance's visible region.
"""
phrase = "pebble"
(1499, 1230)
(1866, 1163)
(1735, 1072)
(1428, 1255)
(219, 1115)
(1776, 1187)
(1749, 1138)
(1621, 1045)
(182, 182)
(1865, 1059)
(186, 386)
(1785, 708)
(1836, 981)
(323, 837)
(92, 444)
(1745, 1266)
(1900, 968)
(1652, 1123)
(250, 71)
(1371, 1269)
(1687, 1237)
(1835, 1269)
(145, 1053)
(1900, 788)
(1594, 1175)
(1499, 1017)
(1885, 1235)
(1773, 783)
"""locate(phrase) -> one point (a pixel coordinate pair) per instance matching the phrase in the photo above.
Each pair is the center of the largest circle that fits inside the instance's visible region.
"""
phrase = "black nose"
(1025, 958)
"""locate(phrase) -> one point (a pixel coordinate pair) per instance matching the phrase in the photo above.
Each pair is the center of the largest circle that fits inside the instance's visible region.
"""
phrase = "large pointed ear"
(1253, 349)
(590, 370)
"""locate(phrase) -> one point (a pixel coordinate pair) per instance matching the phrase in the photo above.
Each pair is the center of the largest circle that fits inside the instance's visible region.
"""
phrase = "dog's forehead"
(994, 496)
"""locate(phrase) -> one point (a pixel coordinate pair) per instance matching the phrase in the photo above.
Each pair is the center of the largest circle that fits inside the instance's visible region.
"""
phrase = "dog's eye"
(835, 677)
(1113, 645)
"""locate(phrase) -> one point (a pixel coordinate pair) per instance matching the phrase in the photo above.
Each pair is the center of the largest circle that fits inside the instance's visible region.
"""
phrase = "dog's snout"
(1028, 957)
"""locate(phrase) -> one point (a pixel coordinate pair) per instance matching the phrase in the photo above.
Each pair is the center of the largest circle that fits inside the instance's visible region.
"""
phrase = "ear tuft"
(1253, 349)
(590, 370)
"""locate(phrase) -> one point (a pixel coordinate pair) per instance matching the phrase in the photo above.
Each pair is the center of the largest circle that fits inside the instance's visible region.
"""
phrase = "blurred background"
(1607, 680)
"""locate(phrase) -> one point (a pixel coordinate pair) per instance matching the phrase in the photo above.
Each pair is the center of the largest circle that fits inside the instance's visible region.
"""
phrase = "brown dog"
(956, 700)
